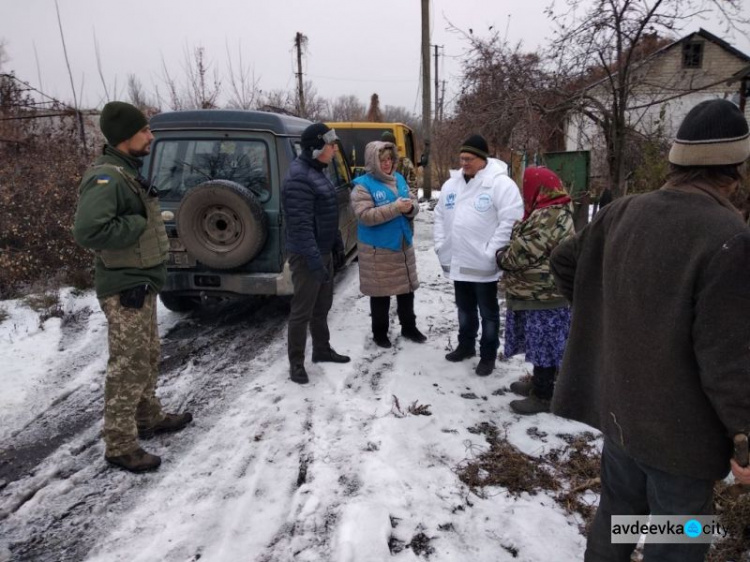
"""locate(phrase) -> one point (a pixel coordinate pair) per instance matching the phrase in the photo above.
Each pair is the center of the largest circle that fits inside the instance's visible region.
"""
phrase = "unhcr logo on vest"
(483, 202)
(450, 201)
(380, 196)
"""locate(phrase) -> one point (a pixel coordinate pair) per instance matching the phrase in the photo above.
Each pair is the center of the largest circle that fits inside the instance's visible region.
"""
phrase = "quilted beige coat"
(383, 272)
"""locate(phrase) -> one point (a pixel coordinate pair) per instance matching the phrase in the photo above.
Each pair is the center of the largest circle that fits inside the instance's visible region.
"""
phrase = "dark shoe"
(382, 341)
(170, 423)
(485, 367)
(329, 356)
(298, 374)
(413, 334)
(531, 405)
(137, 461)
(459, 354)
(522, 387)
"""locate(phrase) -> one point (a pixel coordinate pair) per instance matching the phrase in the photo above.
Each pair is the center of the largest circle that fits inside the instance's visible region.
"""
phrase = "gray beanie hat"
(713, 133)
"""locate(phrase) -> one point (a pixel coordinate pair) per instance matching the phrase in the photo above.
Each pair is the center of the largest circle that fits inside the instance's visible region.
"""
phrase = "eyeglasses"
(466, 159)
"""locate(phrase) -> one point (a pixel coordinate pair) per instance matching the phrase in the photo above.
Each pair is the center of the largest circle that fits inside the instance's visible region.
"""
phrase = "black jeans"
(310, 305)
(469, 297)
(632, 488)
(380, 306)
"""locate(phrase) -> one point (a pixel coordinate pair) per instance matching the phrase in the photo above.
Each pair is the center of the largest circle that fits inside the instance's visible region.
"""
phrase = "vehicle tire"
(179, 303)
(222, 224)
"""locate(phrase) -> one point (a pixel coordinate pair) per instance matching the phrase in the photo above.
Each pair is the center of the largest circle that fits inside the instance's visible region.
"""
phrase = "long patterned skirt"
(540, 334)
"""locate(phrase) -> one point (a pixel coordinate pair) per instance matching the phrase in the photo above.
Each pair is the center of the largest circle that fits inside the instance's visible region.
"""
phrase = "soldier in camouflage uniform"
(538, 316)
(118, 217)
(405, 167)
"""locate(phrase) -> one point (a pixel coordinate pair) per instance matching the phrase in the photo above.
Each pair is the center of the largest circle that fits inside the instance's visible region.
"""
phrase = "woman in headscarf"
(538, 317)
(387, 264)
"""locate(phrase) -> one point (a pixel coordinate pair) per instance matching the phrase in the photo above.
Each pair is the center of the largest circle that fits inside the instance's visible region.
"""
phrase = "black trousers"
(380, 306)
(310, 305)
(631, 488)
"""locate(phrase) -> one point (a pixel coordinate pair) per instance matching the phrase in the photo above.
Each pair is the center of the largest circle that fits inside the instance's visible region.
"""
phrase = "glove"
(339, 260)
(499, 256)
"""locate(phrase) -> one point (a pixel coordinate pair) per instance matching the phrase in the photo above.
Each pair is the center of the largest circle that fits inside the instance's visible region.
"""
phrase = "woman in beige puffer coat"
(387, 264)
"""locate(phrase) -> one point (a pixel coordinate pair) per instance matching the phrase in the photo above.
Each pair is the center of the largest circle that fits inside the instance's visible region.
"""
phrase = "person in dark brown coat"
(658, 357)
(387, 264)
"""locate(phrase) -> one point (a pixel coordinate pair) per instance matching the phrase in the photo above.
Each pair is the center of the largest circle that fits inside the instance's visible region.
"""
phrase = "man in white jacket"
(474, 217)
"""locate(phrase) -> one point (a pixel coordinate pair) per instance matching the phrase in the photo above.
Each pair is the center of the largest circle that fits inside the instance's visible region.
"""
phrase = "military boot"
(135, 461)
(170, 424)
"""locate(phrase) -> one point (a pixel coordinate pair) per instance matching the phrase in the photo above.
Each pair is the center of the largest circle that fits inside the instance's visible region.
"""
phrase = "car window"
(181, 164)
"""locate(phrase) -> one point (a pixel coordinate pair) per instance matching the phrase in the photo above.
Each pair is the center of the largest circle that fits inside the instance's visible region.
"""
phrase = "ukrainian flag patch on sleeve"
(102, 180)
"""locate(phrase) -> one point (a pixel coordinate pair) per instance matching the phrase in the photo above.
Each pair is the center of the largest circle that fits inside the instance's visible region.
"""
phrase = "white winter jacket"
(473, 220)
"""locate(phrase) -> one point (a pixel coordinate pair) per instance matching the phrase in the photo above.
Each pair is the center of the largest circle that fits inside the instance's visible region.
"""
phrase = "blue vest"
(392, 233)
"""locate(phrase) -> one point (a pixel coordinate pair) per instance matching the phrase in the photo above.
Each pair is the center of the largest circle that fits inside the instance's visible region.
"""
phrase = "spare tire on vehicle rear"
(222, 224)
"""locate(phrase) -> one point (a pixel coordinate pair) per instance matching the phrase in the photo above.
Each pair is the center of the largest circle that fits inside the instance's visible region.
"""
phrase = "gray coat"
(658, 356)
(383, 272)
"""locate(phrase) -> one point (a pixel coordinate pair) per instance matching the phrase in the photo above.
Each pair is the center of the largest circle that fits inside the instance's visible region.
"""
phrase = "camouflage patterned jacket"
(527, 281)
(406, 168)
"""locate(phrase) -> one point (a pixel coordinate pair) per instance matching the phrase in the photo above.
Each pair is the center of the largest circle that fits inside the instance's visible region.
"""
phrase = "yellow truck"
(355, 135)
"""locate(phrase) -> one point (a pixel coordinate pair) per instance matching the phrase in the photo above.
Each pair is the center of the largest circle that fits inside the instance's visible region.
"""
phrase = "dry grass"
(733, 512)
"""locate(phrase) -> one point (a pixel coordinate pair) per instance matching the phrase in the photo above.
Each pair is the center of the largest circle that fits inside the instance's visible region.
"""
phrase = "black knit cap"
(477, 146)
(713, 133)
(312, 137)
(119, 121)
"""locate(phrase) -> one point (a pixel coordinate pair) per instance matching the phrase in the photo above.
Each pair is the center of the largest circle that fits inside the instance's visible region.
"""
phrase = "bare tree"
(243, 84)
(347, 108)
(201, 86)
(601, 44)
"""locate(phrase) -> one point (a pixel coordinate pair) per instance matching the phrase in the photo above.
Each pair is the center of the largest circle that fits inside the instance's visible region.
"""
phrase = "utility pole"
(426, 110)
(299, 41)
(437, 85)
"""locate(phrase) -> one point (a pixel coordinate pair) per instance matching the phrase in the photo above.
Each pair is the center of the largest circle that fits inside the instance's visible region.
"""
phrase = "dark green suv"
(219, 175)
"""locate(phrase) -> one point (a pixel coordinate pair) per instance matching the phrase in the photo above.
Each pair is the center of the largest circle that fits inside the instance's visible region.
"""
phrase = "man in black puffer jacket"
(313, 243)
(658, 357)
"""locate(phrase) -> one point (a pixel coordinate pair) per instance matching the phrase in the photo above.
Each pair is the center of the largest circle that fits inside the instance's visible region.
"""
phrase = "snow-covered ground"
(270, 471)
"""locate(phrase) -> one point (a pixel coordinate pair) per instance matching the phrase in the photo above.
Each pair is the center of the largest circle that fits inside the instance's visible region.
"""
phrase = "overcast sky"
(354, 47)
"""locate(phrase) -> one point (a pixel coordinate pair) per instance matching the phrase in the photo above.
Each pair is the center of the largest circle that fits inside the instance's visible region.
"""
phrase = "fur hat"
(477, 146)
(713, 133)
(119, 121)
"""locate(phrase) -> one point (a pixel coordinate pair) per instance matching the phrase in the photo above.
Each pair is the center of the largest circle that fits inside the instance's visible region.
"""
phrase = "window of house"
(692, 55)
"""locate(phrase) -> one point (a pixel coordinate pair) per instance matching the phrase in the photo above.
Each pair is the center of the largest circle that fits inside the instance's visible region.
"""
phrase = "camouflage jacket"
(407, 169)
(527, 281)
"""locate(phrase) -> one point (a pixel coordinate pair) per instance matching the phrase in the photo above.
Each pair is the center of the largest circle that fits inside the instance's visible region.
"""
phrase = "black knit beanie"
(713, 133)
(477, 146)
(119, 121)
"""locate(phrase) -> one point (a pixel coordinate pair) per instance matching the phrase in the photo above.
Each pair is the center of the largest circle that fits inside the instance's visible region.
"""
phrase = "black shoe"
(298, 374)
(136, 461)
(382, 341)
(459, 354)
(170, 423)
(413, 334)
(485, 367)
(329, 356)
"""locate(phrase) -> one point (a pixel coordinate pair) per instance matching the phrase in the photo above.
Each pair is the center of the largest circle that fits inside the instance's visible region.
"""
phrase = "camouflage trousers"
(130, 389)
